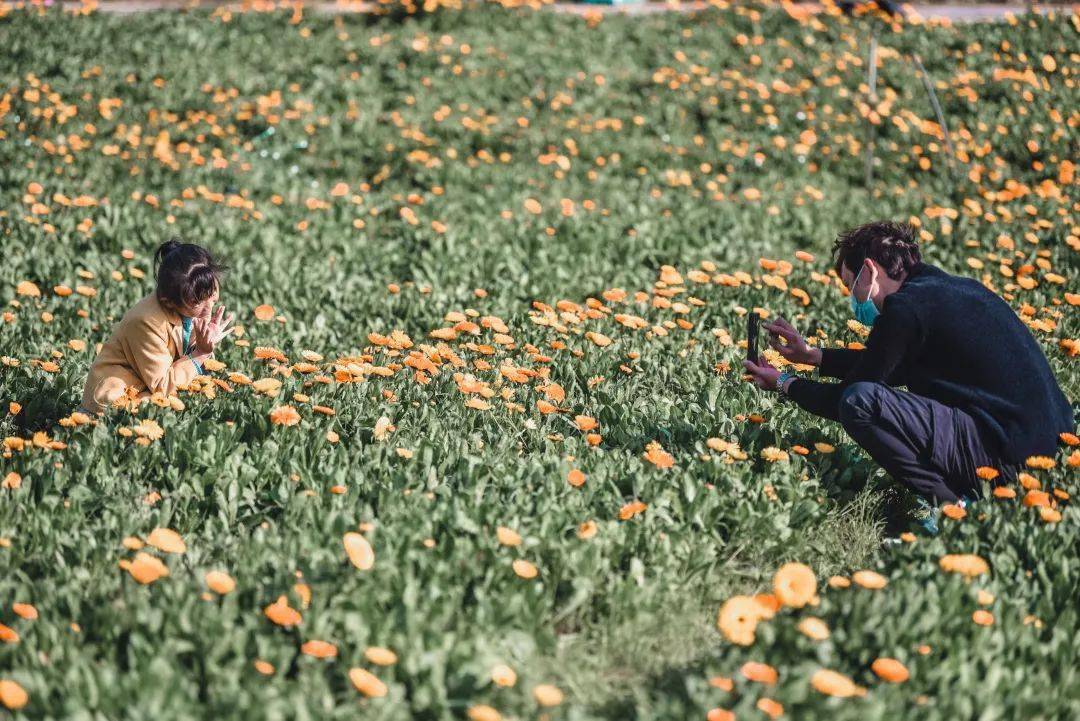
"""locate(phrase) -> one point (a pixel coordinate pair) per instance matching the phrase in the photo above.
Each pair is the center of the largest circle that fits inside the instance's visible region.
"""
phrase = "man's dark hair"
(891, 245)
(186, 273)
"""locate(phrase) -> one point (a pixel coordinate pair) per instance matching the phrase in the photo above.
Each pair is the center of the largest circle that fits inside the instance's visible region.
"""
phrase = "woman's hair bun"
(186, 273)
(164, 249)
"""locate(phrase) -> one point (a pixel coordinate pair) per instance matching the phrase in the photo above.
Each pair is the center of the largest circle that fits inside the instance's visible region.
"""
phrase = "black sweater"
(950, 339)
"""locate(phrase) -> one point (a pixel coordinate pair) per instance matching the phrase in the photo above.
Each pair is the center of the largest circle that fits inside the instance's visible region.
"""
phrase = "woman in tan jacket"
(161, 343)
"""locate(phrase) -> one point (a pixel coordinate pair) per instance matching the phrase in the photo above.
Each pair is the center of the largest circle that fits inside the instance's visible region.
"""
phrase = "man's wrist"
(784, 380)
(815, 356)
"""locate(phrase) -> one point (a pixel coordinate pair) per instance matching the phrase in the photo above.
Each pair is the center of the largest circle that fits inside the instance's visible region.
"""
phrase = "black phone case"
(752, 322)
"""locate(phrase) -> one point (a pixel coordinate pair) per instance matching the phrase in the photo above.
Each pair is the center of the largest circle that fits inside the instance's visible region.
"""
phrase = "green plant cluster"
(513, 244)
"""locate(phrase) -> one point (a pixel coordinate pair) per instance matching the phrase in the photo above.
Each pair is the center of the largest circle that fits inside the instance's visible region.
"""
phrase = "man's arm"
(837, 362)
(896, 334)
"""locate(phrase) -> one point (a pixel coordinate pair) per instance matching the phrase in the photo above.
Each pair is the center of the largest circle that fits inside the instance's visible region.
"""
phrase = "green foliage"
(354, 154)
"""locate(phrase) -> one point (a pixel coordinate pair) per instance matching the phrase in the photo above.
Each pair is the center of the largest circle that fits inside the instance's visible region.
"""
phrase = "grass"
(500, 167)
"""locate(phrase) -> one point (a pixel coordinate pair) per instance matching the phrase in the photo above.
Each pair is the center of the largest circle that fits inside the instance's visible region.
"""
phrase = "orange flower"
(983, 618)
(166, 540)
(502, 675)
(12, 695)
(769, 604)
(264, 312)
(631, 509)
(738, 619)
(482, 712)
(1041, 462)
(575, 478)
(219, 582)
(358, 550)
(547, 695)
(889, 669)
(795, 584)
(832, 683)
(772, 709)
(524, 569)
(25, 610)
(28, 289)
(953, 511)
(838, 582)
(585, 423)
(264, 667)
(1004, 492)
(145, 568)
(813, 627)
(265, 353)
(8, 634)
(1069, 439)
(281, 613)
(869, 579)
(966, 564)
(367, 683)
(1029, 482)
(380, 656)
(719, 714)
(760, 672)
(284, 416)
(657, 456)
(987, 473)
(587, 530)
(319, 649)
(1049, 515)
(507, 536)
(1036, 498)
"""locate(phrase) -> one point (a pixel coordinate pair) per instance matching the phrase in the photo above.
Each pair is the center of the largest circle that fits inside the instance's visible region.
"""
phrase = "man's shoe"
(926, 515)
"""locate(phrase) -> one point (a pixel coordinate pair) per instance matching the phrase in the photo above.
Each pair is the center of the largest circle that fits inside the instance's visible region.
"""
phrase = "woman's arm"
(149, 351)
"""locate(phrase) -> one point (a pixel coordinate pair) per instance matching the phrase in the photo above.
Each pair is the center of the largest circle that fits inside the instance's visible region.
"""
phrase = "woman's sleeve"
(154, 362)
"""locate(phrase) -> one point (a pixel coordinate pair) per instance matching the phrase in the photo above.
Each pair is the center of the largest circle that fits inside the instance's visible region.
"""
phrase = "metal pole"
(871, 131)
(936, 105)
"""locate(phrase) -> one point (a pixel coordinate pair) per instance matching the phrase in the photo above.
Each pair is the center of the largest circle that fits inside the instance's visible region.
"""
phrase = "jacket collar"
(915, 271)
(170, 315)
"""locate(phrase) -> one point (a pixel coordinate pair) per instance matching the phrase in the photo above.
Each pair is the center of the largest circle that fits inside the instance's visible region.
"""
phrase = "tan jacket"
(143, 354)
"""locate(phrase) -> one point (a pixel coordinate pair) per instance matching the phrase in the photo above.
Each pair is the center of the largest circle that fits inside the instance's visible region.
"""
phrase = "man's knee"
(860, 403)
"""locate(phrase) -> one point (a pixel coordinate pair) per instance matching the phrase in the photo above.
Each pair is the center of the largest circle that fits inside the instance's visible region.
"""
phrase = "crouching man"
(980, 392)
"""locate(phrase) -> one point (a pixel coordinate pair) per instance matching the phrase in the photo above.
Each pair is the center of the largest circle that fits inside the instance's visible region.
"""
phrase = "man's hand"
(795, 348)
(208, 330)
(762, 373)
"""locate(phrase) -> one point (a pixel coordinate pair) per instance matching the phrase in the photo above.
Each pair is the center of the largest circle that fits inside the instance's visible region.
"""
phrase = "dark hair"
(186, 273)
(892, 245)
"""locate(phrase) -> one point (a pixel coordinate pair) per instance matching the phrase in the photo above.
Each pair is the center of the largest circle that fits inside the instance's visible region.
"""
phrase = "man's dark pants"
(931, 448)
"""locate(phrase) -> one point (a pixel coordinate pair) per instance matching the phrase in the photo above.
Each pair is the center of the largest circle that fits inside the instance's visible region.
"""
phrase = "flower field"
(482, 448)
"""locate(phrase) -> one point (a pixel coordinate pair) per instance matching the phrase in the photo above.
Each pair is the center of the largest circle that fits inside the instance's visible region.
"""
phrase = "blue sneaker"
(926, 515)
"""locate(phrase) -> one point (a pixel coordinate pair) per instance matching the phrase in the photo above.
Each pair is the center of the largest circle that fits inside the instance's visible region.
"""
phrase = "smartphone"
(753, 321)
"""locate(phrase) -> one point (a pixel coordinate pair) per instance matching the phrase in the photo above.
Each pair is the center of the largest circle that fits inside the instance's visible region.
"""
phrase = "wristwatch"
(782, 379)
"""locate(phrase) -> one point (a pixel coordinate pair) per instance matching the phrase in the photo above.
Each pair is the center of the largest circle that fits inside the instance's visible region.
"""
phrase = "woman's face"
(201, 309)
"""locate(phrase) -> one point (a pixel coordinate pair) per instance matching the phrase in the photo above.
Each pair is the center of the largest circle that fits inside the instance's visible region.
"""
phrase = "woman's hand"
(208, 330)
(794, 348)
(762, 373)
